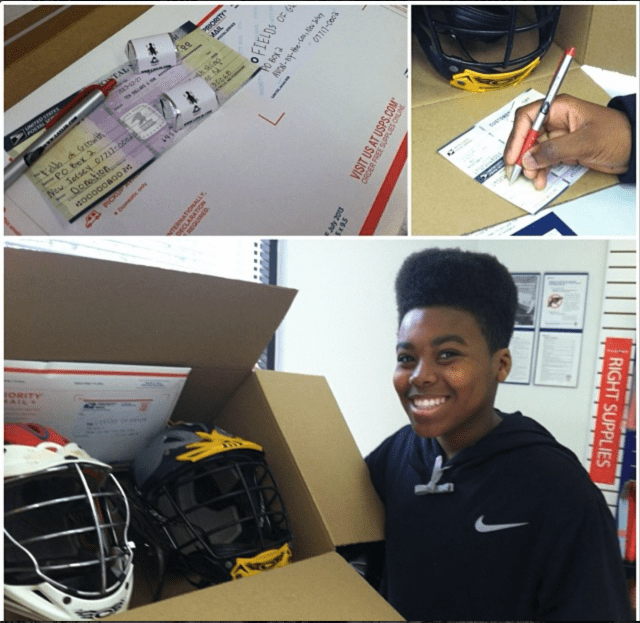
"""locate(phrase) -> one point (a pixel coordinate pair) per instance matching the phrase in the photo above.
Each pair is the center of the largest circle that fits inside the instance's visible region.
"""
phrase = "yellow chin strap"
(473, 81)
(271, 559)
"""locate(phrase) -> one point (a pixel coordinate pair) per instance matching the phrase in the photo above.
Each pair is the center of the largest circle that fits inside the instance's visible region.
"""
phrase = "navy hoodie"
(509, 528)
(627, 105)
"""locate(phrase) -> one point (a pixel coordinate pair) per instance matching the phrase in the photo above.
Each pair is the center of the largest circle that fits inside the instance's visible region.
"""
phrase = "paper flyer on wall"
(109, 410)
(522, 343)
(478, 152)
(316, 143)
(563, 308)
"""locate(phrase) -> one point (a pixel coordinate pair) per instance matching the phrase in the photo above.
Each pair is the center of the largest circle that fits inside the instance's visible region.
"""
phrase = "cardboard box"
(447, 202)
(48, 39)
(75, 309)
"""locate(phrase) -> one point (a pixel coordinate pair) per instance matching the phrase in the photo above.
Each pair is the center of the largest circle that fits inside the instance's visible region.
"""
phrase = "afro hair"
(474, 282)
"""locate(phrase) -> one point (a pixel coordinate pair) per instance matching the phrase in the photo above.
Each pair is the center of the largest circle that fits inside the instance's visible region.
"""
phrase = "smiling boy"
(487, 516)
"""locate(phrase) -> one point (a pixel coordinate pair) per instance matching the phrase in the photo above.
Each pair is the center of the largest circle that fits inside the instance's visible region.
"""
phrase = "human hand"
(574, 132)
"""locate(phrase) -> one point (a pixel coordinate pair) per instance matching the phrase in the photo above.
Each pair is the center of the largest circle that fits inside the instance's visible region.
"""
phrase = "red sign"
(613, 388)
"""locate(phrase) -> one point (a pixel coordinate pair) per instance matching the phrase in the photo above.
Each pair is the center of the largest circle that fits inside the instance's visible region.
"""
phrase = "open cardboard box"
(444, 200)
(74, 309)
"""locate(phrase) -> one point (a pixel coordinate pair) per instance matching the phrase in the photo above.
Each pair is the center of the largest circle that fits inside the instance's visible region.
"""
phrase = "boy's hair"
(474, 282)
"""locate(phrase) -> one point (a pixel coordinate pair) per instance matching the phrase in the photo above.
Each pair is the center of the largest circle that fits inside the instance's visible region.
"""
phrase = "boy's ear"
(503, 359)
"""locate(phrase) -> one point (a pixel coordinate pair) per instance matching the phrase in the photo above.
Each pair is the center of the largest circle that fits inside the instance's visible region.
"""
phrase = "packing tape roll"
(153, 52)
(187, 102)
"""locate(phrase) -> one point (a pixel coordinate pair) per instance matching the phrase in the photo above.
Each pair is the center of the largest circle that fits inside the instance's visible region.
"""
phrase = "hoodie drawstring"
(433, 486)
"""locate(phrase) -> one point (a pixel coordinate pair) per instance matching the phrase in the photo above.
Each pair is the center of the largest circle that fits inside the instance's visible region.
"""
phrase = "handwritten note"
(225, 70)
(128, 132)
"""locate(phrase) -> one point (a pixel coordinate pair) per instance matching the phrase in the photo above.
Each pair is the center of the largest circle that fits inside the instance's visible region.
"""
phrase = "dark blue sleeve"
(627, 105)
(376, 462)
(584, 577)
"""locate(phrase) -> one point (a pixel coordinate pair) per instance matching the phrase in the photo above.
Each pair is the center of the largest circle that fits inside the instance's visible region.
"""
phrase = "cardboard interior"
(603, 35)
(445, 201)
(68, 308)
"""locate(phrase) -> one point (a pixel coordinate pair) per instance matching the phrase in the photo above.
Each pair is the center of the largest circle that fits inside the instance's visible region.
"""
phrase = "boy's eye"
(404, 358)
(445, 355)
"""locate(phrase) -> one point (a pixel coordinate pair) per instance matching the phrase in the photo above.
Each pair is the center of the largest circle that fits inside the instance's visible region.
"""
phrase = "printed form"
(315, 142)
(478, 153)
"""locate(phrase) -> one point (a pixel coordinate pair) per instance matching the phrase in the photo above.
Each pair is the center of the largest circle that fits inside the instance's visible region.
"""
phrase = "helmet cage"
(77, 541)
(217, 510)
(465, 26)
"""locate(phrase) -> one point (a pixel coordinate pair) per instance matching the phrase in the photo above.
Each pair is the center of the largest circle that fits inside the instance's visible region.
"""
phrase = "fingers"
(524, 118)
(540, 180)
(579, 132)
(546, 153)
(565, 149)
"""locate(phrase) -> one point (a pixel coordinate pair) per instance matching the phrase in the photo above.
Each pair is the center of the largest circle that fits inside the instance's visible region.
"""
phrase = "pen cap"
(187, 102)
(153, 52)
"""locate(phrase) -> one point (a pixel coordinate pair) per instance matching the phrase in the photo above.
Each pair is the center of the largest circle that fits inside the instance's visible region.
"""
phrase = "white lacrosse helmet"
(66, 550)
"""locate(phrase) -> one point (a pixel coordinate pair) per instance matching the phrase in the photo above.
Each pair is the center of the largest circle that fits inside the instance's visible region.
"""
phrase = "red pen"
(80, 107)
(534, 132)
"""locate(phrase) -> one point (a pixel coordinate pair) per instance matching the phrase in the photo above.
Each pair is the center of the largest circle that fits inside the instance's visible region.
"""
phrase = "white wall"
(342, 325)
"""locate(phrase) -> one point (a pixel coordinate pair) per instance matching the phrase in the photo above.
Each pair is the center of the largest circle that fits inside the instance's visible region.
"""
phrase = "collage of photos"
(320, 312)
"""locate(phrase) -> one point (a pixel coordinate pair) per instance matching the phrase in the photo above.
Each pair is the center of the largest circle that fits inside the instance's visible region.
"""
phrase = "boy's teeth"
(428, 403)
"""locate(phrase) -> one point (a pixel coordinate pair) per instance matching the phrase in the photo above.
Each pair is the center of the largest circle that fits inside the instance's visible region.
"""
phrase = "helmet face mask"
(66, 548)
(72, 549)
(215, 508)
(479, 48)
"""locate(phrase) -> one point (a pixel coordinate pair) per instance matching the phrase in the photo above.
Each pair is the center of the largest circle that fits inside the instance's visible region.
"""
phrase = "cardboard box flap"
(311, 535)
(323, 588)
(111, 312)
(326, 455)
(603, 35)
(45, 49)
(466, 206)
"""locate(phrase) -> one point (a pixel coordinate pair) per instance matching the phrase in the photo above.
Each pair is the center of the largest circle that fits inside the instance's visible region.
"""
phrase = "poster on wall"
(527, 285)
(523, 339)
(562, 312)
(521, 347)
(558, 359)
(564, 297)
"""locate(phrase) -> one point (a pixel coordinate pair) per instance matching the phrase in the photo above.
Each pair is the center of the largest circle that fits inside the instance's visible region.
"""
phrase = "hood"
(514, 432)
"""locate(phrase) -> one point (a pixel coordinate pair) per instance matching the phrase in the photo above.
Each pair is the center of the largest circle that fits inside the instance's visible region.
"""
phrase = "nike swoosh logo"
(483, 527)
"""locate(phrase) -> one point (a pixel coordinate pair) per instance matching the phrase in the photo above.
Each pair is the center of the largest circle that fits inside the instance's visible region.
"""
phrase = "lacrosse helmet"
(217, 508)
(474, 46)
(66, 553)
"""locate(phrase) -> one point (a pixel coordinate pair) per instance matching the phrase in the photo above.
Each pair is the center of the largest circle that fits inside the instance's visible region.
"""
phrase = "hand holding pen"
(575, 132)
(566, 130)
(68, 118)
(543, 111)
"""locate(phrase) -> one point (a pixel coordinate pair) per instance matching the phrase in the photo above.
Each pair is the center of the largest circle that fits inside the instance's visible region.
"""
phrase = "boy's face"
(446, 376)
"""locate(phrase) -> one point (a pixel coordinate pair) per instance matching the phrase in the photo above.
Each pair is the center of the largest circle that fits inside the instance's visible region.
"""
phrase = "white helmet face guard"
(66, 547)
